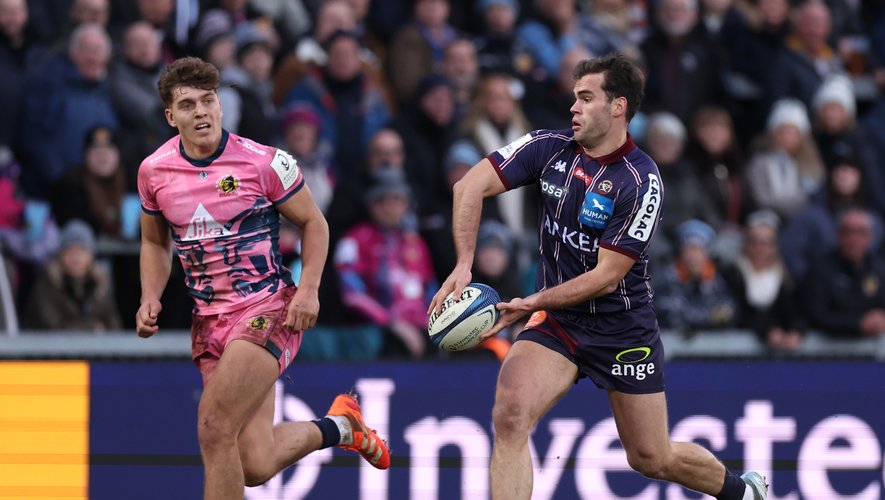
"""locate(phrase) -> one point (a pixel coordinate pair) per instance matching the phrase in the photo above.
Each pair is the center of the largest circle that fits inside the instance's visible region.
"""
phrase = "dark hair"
(622, 78)
(187, 72)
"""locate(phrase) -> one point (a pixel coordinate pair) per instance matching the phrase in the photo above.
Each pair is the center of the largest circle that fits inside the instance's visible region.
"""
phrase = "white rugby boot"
(757, 485)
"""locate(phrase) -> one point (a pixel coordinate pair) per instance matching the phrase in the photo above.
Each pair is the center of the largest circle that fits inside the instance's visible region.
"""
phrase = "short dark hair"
(187, 72)
(621, 78)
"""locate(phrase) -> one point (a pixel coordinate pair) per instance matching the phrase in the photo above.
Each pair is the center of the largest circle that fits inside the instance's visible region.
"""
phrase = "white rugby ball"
(460, 324)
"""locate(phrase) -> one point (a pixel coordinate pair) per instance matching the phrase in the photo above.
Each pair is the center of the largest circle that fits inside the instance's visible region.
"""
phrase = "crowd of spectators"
(765, 117)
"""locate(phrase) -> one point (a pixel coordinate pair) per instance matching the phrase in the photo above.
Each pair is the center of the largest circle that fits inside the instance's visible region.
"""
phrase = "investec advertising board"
(816, 429)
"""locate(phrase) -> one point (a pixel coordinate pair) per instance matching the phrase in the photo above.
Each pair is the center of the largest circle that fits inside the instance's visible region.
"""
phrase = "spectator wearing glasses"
(845, 292)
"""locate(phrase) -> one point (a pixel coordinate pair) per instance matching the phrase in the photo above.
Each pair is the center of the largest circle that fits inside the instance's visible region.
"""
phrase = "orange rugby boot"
(365, 441)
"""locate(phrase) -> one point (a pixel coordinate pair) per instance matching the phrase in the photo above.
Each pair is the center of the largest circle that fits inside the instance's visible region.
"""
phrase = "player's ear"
(619, 106)
(169, 118)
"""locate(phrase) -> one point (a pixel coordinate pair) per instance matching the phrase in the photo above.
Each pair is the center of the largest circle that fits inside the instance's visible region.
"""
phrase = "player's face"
(196, 113)
(591, 112)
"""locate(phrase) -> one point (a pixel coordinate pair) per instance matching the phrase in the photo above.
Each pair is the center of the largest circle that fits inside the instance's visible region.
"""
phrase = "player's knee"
(650, 465)
(214, 430)
(257, 474)
(511, 419)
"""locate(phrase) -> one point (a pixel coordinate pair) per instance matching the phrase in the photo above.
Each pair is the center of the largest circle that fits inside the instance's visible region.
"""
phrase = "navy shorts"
(619, 351)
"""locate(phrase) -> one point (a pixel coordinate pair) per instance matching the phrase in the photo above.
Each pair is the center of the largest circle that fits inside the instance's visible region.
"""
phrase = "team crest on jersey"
(605, 187)
(258, 323)
(228, 184)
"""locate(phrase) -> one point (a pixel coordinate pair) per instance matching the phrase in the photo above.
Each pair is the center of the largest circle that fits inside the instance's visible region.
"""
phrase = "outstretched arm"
(155, 263)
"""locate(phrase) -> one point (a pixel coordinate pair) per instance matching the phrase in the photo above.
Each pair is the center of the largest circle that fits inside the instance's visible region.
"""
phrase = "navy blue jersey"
(612, 202)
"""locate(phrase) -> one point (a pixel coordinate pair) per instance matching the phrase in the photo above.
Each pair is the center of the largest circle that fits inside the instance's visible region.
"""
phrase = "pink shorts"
(261, 324)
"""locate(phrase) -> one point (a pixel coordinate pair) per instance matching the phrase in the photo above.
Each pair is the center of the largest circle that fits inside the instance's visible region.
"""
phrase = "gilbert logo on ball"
(459, 325)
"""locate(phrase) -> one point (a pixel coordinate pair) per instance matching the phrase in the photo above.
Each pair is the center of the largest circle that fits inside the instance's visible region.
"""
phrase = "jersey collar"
(610, 158)
(205, 162)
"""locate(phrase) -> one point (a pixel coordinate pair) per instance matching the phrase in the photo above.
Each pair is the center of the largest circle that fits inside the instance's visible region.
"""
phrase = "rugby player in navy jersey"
(592, 314)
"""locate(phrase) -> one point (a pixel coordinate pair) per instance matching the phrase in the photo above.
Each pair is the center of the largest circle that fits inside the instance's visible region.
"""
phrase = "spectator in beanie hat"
(301, 131)
(691, 294)
(72, 293)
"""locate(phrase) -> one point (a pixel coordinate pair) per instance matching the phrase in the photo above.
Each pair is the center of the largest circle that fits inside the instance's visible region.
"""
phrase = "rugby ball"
(459, 325)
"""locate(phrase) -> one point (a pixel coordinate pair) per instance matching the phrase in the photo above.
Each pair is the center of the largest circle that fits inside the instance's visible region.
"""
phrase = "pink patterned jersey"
(222, 214)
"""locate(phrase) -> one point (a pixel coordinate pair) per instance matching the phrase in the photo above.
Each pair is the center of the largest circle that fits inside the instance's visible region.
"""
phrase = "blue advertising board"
(814, 428)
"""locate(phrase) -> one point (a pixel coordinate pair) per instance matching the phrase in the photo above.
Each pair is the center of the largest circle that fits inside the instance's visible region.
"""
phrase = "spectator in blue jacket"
(547, 37)
(349, 97)
(20, 53)
(70, 96)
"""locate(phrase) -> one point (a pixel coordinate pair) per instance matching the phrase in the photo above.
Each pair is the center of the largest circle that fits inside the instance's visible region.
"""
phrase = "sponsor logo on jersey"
(536, 319)
(550, 189)
(597, 211)
(578, 240)
(248, 145)
(645, 219)
(559, 166)
(286, 168)
(228, 184)
(159, 157)
(630, 363)
(203, 226)
(605, 187)
(580, 174)
(508, 150)
(203, 175)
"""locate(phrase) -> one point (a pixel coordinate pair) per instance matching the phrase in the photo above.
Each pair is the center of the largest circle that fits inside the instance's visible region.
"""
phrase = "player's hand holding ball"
(456, 325)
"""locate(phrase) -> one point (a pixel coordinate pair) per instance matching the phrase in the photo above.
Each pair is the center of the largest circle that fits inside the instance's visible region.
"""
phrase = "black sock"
(734, 487)
(330, 432)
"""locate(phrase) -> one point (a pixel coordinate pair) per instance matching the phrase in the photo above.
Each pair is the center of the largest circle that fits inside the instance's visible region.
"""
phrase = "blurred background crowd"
(764, 116)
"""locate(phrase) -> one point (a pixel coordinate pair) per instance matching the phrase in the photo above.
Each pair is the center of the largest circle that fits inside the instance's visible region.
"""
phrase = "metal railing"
(8, 316)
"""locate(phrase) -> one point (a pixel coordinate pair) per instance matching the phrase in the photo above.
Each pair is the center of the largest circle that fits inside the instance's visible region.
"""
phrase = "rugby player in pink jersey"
(217, 198)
